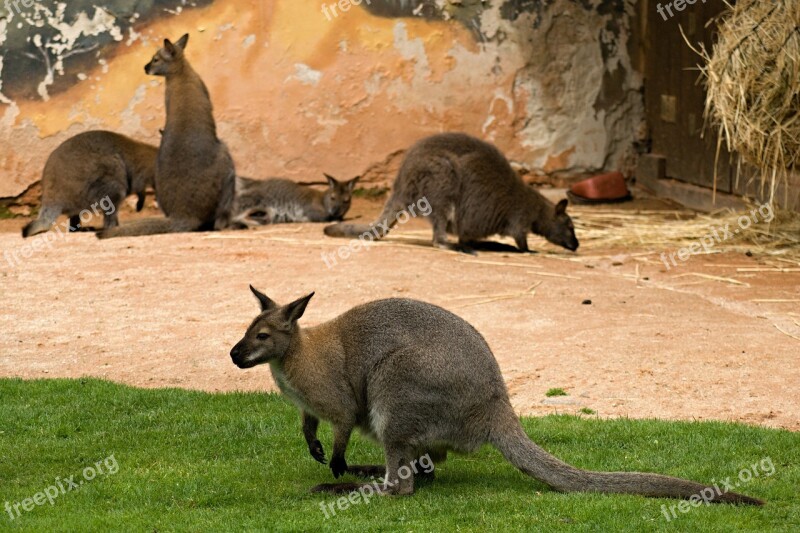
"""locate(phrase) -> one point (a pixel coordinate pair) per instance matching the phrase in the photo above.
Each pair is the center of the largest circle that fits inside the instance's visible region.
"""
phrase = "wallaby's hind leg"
(47, 216)
(440, 236)
(110, 220)
(399, 473)
(224, 212)
(75, 223)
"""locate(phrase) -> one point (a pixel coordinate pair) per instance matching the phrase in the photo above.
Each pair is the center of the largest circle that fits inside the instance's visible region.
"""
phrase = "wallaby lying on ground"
(474, 193)
(421, 381)
(195, 176)
(87, 168)
(275, 200)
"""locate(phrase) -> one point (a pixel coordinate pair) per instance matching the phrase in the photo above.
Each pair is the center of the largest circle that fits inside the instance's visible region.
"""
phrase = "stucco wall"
(296, 94)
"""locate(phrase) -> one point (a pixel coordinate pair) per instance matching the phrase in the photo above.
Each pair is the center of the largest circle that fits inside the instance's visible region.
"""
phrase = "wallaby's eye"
(262, 336)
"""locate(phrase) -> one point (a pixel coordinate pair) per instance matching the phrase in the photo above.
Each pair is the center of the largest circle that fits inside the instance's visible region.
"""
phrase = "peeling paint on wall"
(295, 94)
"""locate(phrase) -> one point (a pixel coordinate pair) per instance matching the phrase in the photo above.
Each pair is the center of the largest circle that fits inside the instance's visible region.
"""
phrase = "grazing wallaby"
(422, 382)
(195, 176)
(473, 192)
(87, 168)
(275, 200)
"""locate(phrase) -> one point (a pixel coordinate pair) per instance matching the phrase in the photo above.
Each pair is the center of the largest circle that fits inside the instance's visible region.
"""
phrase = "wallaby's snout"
(269, 336)
(338, 196)
(165, 59)
(562, 230)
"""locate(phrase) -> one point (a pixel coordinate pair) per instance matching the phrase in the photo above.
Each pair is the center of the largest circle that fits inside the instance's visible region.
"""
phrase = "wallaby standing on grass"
(276, 200)
(195, 175)
(87, 168)
(421, 381)
(473, 192)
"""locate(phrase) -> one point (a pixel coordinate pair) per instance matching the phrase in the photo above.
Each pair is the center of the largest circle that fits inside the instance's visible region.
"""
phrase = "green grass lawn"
(192, 461)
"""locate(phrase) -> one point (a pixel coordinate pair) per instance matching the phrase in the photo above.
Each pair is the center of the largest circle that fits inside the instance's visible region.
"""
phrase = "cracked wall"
(298, 92)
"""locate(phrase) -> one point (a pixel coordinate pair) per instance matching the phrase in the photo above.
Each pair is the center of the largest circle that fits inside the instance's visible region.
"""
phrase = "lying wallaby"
(422, 382)
(88, 167)
(474, 193)
(275, 200)
(195, 176)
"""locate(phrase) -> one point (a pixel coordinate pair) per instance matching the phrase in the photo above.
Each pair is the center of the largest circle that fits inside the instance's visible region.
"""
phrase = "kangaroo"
(195, 176)
(474, 193)
(87, 168)
(419, 380)
(276, 200)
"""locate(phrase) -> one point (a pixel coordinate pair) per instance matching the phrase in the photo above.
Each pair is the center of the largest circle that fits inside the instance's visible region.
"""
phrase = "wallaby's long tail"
(522, 452)
(378, 229)
(150, 226)
(343, 229)
(47, 216)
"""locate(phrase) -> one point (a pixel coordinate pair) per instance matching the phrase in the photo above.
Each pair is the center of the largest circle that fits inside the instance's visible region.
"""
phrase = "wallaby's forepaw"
(338, 466)
(315, 448)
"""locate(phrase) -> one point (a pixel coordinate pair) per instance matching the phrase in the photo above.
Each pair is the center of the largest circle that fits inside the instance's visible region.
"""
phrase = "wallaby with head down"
(421, 382)
(87, 168)
(195, 176)
(276, 200)
(473, 192)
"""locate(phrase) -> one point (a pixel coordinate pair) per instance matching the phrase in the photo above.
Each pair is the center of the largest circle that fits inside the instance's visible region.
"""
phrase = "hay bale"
(752, 78)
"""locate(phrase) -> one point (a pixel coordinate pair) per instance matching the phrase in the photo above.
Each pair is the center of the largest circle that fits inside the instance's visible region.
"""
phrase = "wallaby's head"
(269, 336)
(561, 230)
(338, 196)
(167, 59)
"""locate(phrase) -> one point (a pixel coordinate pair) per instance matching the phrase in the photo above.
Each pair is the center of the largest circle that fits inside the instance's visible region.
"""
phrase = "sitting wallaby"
(195, 176)
(87, 168)
(473, 192)
(275, 200)
(422, 382)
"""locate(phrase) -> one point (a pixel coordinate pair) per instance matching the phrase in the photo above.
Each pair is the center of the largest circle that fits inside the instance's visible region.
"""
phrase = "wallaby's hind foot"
(151, 226)
(341, 488)
(367, 471)
(492, 246)
(35, 227)
(47, 217)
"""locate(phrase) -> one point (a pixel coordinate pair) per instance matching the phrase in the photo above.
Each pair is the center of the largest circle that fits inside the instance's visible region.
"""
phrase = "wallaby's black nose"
(235, 352)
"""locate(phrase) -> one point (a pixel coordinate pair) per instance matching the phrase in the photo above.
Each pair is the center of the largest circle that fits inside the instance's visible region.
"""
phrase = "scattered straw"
(530, 291)
(713, 278)
(668, 231)
(786, 332)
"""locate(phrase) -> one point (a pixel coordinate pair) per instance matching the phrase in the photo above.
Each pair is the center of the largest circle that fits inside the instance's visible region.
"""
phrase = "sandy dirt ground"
(164, 311)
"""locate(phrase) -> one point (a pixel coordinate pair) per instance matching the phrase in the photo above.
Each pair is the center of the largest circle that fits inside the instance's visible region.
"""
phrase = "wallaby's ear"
(332, 182)
(169, 47)
(264, 300)
(561, 207)
(295, 310)
(352, 183)
(182, 41)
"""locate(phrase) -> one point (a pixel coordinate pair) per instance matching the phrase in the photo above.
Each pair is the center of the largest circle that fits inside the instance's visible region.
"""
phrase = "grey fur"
(87, 168)
(195, 176)
(473, 192)
(419, 380)
(276, 200)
